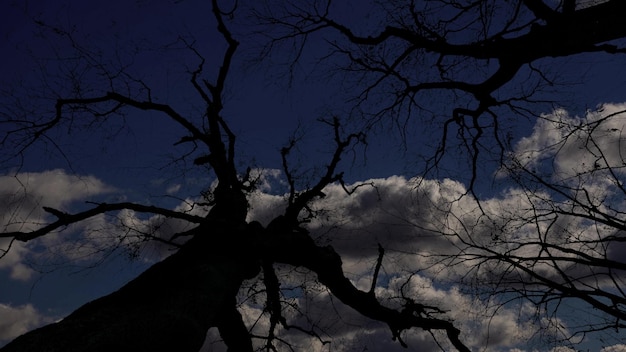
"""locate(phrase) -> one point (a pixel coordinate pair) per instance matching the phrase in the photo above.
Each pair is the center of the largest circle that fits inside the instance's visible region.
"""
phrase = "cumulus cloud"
(173, 189)
(421, 224)
(140, 233)
(584, 158)
(87, 242)
(575, 145)
(413, 219)
(24, 195)
(614, 348)
(17, 320)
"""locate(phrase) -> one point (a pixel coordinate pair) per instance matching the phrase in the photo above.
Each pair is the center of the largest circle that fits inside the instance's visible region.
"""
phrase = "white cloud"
(173, 189)
(614, 348)
(407, 217)
(265, 207)
(415, 220)
(12, 260)
(17, 320)
(88, 241)
(24, 195)
(268, 180)
(575, 145)
(133, 228)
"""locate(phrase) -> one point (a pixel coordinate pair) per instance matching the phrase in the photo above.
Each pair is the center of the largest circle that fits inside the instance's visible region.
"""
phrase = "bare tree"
(493, 61)
(558, 242)
(221, 249)
(575, 215)
(487, 57)
(483, 56)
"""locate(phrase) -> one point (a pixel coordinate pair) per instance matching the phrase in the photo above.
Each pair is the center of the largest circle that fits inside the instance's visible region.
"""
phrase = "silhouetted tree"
(421, 47)
(492, 60)
(223, 250)
(480, 55)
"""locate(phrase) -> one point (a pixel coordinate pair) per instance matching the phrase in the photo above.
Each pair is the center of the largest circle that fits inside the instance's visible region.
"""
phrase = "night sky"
(133, 158)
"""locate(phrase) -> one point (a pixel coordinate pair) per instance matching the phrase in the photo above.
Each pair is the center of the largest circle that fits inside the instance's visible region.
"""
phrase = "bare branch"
(298, 249)
(65, 219)
(379, 262)
(116, 97)
(540, 9)
(301, 200)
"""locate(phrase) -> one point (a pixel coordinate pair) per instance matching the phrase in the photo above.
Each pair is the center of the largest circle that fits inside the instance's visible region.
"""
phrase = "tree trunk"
(169, 307)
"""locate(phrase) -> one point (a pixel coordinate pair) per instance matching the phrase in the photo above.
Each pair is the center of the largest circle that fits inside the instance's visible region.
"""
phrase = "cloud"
(265, 207)
(173, 189)
(413, 219)
(136, 232)
(573, 145)
(418, 222)
(614, 348)
(17, 320)
(409, 218)
(484, 325)
(24, 195)
(12, 260)
(268, 181)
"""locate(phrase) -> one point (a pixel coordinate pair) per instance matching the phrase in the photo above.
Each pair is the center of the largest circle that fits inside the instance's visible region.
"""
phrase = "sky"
(132, 158)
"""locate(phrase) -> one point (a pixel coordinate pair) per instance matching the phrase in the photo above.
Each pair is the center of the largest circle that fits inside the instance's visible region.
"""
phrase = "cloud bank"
(17, 320)
(423, 225)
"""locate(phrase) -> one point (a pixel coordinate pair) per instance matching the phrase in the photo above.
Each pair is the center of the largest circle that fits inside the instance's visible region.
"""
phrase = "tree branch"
(540, 9)
(379, 263)
(298, 249)
(65, 219)
(142, 105)
(300, 201)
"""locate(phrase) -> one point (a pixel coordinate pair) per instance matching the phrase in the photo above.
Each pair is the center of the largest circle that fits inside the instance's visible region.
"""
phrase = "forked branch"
(298, 249)
(65, 219)
(299, 201)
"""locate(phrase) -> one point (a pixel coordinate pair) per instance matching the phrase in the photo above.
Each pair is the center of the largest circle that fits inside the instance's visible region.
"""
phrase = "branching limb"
(300, 201)
(272, 306)
(379, 263)
(299, 250)
(123, 100)
(65, 219)
(284, 152)
(221, 159)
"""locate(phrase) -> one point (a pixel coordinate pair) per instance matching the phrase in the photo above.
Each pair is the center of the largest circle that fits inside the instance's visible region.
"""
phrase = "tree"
(222, 249)
(495, 60)
(468, 51)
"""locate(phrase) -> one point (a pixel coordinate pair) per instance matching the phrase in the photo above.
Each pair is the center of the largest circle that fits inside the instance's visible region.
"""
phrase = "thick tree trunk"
(169, 307)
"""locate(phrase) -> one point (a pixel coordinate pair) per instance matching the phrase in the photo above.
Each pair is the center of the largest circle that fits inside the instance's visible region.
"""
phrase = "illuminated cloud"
(17, 320)
(173, 189)
(24, 195)
(413, 219)
(614, 348)
(576, 145)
